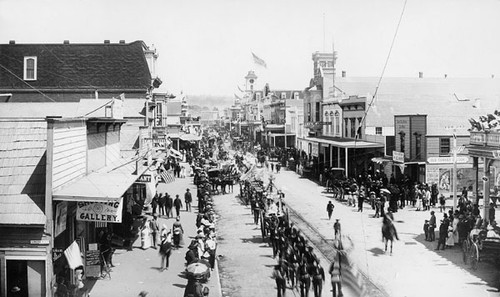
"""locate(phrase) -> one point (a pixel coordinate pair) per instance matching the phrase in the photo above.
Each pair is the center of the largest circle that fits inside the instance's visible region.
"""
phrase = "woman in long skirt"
(145, 236)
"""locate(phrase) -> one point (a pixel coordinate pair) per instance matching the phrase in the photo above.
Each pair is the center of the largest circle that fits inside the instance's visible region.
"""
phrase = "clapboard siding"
(433, 145)
(69, 149)
(66, 177)
(16, 236)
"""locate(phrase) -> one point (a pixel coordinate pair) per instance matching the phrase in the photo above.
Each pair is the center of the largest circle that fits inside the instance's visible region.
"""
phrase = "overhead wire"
(367, 109)
(13, 74)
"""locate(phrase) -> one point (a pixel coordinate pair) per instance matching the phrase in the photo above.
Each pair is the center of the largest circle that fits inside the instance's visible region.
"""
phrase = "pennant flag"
(240, 89)
(259, 61)
(237, 97)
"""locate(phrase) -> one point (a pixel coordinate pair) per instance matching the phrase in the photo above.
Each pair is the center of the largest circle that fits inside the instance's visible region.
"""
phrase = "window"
(29, 68)
(444, 146)
(418, 145)
(296, 95)
(378, 130)
(318, 116)
(353, 127)
(257, 96)
(309, 112)
(337, 123)
(346, 123)
(402, 140)
(283, 95)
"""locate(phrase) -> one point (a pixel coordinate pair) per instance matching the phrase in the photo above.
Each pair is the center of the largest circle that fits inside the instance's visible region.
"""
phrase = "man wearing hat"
(432, 226)
(155, 229)
(188, 199)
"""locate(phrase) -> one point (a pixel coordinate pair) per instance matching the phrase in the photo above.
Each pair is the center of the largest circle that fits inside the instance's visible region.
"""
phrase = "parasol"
(198, 270)
(385, 191)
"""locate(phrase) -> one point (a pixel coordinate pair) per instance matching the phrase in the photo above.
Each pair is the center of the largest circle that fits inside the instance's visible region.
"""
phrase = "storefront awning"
(190, 137)
(345, 143)
(381, 160)
(175, 153)
(21, 210)
(107, 184)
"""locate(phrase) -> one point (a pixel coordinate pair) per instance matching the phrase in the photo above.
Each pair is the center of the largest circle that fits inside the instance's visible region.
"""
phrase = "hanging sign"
(109, 212)
(398, 156)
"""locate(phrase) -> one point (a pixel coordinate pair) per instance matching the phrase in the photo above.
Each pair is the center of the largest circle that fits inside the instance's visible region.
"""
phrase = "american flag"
(167, 176)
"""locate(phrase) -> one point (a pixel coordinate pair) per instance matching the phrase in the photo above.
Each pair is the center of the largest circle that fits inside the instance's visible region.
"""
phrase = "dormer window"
(283, 95)
(257, 96)
(30, 72)
(296, 95)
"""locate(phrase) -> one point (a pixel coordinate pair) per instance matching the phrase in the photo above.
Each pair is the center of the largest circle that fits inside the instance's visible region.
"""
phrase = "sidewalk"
(414, 268)
(138, 270)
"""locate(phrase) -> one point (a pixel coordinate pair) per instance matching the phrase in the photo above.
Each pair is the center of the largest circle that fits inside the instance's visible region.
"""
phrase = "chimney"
(106, 41)
(12, 42)
(66, 42)
(420, 75)
(122, 41)
(445, 75)
(344, 74)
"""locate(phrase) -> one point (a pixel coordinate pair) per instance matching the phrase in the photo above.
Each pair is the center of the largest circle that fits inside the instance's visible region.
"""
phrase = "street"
(413, 269)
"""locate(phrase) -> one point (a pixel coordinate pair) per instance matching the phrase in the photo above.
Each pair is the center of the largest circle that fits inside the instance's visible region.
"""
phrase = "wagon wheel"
(465, 251)
(474, 256)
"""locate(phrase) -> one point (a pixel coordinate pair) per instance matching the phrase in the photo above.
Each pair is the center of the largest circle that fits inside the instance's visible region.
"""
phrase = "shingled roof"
(22, 171)
(77, 66)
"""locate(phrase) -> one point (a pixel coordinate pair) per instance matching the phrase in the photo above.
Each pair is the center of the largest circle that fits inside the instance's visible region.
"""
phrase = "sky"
(205, 46)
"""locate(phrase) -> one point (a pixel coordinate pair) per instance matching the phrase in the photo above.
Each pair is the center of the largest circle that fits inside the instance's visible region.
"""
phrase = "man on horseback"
(388, 231)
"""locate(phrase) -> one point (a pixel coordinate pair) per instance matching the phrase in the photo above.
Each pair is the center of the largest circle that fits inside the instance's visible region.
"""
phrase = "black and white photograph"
(232, 148)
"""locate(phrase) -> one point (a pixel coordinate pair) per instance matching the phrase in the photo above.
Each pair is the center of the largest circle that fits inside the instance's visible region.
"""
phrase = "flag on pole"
(259, 61)
(237, 97)
(167, 176)
(240, 89)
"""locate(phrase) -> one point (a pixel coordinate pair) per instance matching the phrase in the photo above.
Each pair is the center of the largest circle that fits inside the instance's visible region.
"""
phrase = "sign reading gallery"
(109, 212)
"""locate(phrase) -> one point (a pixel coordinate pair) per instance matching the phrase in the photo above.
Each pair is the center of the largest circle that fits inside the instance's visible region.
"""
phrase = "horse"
(388, 231)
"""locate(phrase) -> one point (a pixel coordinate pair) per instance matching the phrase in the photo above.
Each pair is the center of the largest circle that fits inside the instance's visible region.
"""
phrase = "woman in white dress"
(455, 228)
(450, 240)
(146, 240)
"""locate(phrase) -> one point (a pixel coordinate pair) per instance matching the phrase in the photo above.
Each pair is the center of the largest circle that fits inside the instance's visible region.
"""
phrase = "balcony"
(485, 138)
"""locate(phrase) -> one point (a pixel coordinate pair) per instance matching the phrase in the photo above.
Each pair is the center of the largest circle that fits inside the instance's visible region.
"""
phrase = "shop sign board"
(398, 156)
(57, 253)
(39, 242)
(144, 179)
(447, 160)
(109, 212)
(314, 149)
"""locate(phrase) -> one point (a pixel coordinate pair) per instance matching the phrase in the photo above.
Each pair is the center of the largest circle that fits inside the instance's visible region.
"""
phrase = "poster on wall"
(465, 178)
(61, 214)
(432, 175)
(109, 212)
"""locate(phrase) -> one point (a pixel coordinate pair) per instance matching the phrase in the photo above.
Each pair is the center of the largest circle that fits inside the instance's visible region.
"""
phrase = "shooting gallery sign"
(109, 212)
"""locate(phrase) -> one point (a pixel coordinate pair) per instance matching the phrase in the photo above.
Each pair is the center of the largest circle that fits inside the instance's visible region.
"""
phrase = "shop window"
(444, 146)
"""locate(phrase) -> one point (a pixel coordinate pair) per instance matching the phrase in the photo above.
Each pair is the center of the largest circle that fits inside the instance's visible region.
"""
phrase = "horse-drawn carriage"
(482, 245)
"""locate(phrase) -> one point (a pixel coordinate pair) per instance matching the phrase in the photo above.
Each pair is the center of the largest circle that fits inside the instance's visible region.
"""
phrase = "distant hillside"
(210, 101)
